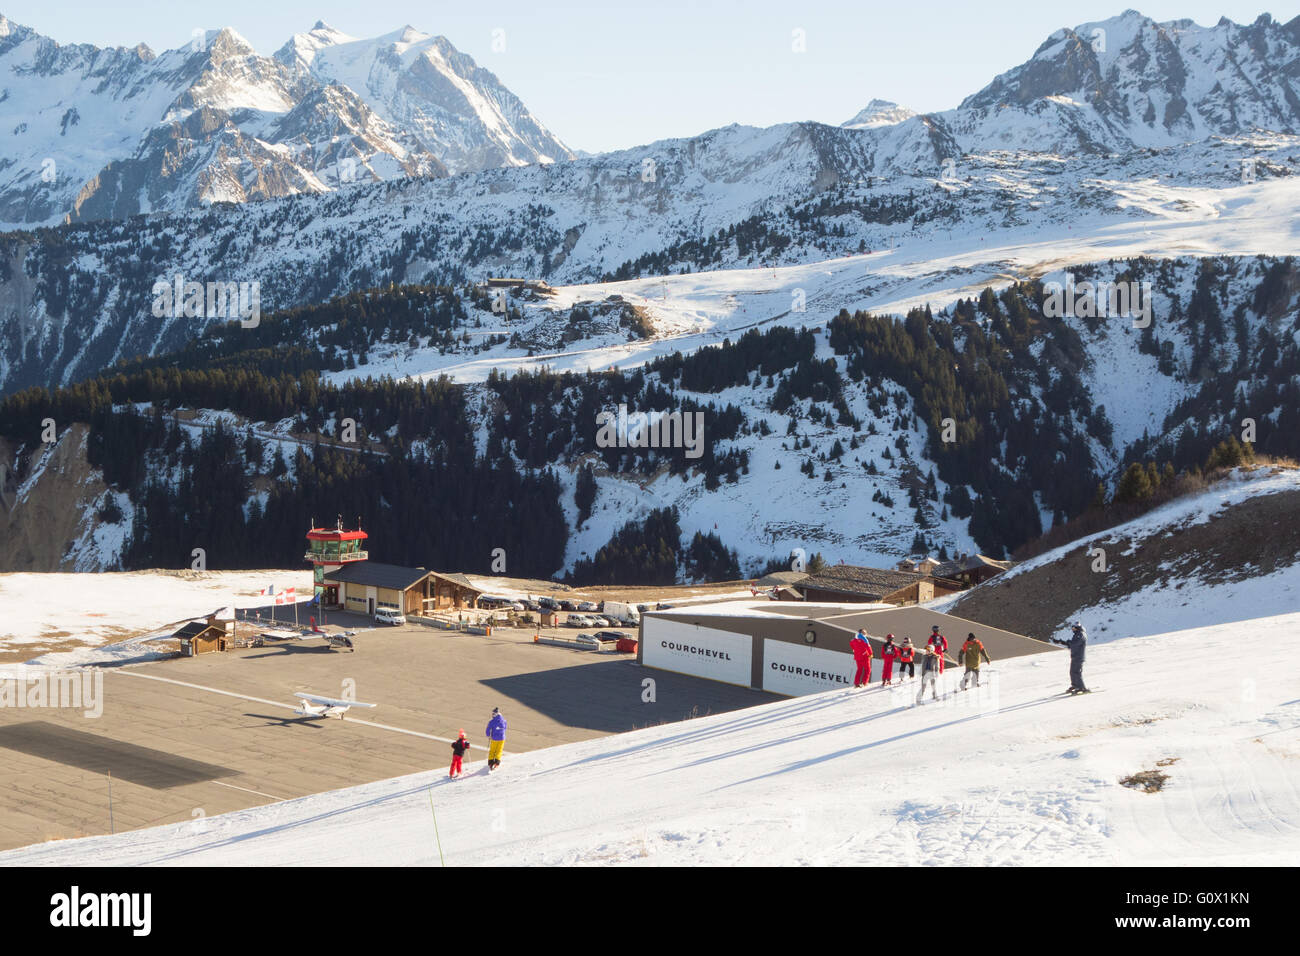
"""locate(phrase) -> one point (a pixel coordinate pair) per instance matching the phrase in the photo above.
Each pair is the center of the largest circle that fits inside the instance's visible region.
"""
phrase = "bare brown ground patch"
(1254, 538)
(1148, 781)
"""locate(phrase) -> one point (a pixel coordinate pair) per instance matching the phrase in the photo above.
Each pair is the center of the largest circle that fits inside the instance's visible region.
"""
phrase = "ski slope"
(698, 309)
(1013, 774)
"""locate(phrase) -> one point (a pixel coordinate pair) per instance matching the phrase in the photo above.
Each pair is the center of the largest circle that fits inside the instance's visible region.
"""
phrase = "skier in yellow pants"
(496, 735)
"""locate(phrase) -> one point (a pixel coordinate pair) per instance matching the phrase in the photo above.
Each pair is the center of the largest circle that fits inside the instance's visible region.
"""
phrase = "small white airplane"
(314, 706)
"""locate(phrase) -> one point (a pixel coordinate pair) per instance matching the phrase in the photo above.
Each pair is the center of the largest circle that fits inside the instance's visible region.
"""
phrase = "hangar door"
(701, 651)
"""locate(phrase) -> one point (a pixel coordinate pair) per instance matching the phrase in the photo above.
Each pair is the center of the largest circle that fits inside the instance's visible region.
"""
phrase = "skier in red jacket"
(458, 748)
(906, 653)
(939, 643)
(862, 654)
(888, 653)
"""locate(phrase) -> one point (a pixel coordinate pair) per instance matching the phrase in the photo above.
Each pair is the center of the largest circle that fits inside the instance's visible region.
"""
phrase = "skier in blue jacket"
(496, 734)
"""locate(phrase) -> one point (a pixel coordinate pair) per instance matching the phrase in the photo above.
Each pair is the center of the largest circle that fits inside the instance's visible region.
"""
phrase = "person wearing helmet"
(939, 643)
(887, 654)
(906, 659)
(458, 748)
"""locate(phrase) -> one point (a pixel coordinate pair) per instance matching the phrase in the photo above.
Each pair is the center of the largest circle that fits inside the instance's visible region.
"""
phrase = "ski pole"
(435, 828)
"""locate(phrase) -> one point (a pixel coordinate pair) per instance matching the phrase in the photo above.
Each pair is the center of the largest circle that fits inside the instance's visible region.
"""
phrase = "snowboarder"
(1077, 643)
(929, 674)
(971, 653)
(887, 654)
(458, 748)
(862, 655)
(496, 734)
(906, 653)
(939, 643)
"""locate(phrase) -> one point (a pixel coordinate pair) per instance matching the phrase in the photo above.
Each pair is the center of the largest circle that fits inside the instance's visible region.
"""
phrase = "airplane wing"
(331, 701)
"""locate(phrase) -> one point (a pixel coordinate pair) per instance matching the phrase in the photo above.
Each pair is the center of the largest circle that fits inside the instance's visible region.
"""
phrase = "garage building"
(800, 648)
(366, 586)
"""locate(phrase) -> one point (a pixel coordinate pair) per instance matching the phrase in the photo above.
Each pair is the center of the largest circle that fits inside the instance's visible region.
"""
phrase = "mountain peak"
(879, 113)
(409, 34)
(226, 42)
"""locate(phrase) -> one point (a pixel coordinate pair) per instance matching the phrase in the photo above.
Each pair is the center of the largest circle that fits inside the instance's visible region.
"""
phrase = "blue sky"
(611, 75)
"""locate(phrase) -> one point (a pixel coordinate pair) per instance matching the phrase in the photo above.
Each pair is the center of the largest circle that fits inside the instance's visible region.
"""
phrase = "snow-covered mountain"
(1121, 84)
(422, 84)
(75, 300)
(109, 133)
(1128, 82)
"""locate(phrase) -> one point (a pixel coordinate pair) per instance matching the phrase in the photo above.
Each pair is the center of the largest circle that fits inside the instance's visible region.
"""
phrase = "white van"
(389, 615)
(625, 614)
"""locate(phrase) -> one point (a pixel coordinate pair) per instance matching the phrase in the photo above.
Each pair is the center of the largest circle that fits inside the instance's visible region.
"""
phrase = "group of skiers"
(496, 735)
(972, 653)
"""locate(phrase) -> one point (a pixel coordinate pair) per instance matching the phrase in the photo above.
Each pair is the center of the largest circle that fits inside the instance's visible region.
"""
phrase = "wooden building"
(451, 592)
(850, 583)
(201, 637)
(971, 569)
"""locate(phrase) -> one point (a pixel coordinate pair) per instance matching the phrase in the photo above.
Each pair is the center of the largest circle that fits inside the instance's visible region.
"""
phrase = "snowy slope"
(1012, 775)
(122, 605)
(1186, 597)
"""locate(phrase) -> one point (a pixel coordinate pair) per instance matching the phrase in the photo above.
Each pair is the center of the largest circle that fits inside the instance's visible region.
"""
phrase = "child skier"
(458, 748)
(496, 734)
(971, 652)
(906, 653)
(939, 643)
(929, 673)
(862, 655)
(887, 654)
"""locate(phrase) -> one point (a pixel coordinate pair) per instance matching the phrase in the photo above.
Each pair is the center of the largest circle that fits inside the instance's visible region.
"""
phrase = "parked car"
(605, 621)
(577, 620)
(587, 606)
(568, 606)
(609, 635)
(389, 615)
(547, 604)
